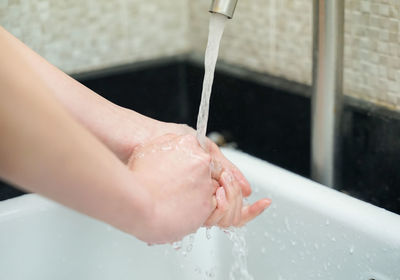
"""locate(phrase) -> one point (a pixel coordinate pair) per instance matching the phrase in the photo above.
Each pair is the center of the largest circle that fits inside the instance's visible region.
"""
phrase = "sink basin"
(309, 232)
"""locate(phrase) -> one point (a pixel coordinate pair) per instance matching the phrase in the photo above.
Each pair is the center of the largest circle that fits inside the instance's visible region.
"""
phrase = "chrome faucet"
(224, 7)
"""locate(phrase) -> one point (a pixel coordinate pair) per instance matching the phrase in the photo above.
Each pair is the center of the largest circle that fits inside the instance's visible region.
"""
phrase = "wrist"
(134, 212)
(131, 129)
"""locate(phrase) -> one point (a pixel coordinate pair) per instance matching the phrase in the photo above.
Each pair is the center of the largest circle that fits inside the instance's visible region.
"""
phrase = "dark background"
(267, 122)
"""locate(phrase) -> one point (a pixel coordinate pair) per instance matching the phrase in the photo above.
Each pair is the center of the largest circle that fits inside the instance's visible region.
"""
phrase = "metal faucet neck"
(224, 7)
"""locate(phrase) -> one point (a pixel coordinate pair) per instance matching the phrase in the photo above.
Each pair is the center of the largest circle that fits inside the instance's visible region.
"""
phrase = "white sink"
(309, 232)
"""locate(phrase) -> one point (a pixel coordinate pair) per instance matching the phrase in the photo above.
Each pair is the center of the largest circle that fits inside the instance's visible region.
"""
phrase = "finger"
(216, 169)
(238, 211)
(231, 193)
(218, 214)
(238, 203)
(226, 180)
(227, 219)
(251, 211)
(226, 164)
(244, 184)
(215, 186)
(214, 203)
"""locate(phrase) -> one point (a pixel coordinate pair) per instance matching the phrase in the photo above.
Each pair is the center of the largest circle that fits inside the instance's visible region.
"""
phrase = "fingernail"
(266, 202)
(227, 177)
(220, 194)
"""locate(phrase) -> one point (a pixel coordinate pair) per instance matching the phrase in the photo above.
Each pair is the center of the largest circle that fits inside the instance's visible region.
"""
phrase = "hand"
(176, 172)
(232, 186)
(230, 210)
(182, 129)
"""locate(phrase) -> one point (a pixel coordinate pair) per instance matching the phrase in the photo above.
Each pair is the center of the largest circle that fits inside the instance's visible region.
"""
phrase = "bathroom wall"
(267, 36)
(275, 37)
(372, 51)
(272, 36)
(84, 35)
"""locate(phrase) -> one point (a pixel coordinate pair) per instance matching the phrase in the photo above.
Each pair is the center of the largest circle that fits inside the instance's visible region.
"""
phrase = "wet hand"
(213, 149)
(230, 210)
(176, 172)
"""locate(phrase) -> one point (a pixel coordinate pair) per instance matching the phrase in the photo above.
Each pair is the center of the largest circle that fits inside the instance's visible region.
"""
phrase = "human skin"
(43, 149)
(57, 118)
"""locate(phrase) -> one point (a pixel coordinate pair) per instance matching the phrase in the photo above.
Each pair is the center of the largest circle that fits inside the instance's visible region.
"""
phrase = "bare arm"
(118, 128)
(121, 130)
(43, 149)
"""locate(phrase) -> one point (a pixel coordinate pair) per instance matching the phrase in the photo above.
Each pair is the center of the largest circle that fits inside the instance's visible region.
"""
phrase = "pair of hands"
(172, 190)
(190, 187)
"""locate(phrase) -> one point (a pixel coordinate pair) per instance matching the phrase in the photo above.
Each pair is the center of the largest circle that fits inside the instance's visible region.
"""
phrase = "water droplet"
(293, 242)
(210, 273)
(287, 224)
(177, 245)
(351, 251)
(327, 222)
(208, 233)
(109, 228)
(263, 250)
(333, 239)
(197, 269)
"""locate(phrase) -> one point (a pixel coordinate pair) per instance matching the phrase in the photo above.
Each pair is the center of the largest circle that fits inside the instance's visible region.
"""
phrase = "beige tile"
(268, 36)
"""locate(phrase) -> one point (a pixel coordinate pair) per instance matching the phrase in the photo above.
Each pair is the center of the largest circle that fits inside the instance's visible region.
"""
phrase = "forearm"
(96, 113)
(44, 150)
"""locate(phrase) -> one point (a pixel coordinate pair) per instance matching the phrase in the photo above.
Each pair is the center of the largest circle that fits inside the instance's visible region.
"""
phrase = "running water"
(239, 251)
(216, 29)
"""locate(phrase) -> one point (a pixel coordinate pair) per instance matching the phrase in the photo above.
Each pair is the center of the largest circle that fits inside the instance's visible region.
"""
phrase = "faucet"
(223, 7)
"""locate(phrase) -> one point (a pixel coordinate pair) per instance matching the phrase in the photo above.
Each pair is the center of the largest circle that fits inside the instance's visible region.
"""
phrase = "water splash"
(239, 250)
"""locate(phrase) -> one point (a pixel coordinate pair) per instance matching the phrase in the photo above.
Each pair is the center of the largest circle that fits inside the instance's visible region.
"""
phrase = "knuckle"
(223, 210)
(207, 224)
(236, 221)
(205, 158)
(190, 138)
(185, 128)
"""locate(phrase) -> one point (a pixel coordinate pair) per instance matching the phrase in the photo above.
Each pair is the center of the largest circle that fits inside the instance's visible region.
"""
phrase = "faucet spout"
(224, 7)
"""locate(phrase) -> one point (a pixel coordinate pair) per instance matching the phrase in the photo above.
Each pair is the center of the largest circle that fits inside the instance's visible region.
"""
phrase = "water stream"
(216, 29)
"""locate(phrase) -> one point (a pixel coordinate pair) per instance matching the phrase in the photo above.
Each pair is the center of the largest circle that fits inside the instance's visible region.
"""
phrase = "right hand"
(176, 172)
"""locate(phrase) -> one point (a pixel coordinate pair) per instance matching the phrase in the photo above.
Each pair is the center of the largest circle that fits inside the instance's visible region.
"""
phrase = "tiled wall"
(268, 36)
(275, 36)
(372, 51)
(272, 36)
(81, 35)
